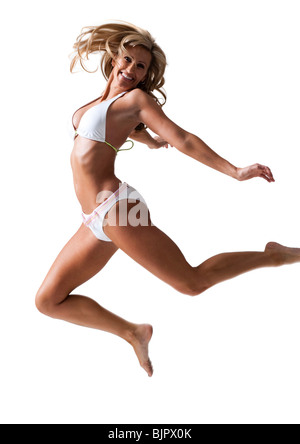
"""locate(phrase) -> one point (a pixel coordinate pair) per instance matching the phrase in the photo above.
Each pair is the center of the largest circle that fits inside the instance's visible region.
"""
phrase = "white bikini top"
(92, 124)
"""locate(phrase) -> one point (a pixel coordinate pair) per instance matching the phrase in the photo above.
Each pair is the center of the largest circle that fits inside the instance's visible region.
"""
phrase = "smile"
(126, 77)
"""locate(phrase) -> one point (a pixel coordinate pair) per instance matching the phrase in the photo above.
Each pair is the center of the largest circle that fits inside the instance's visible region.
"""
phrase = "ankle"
(277, 258)
(130, 335)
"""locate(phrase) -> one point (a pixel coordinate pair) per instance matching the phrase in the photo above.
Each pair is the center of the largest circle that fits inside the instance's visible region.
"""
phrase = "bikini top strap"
(123, 149)
(127, 149)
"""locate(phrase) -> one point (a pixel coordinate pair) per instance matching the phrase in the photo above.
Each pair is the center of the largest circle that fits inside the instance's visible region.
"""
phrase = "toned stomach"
(93, 165)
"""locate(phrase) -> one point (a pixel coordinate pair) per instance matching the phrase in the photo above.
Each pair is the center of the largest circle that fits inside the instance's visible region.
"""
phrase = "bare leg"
(83, 257)
(86, 312)
(229, 265)
(155, 251)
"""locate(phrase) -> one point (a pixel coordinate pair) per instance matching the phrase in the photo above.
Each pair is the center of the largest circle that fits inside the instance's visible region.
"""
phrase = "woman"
(134, 66)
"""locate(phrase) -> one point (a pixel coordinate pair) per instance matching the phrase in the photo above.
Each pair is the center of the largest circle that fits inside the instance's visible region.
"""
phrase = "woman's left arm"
(152, 115)
(197, 149)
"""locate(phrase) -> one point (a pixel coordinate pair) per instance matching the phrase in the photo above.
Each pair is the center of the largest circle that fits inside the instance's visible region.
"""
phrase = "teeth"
(126, 77)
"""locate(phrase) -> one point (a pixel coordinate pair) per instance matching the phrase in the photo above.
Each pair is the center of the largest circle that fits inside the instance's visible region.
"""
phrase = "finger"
(269, 174)
(264, 177)
(266, 172)
(267, 178)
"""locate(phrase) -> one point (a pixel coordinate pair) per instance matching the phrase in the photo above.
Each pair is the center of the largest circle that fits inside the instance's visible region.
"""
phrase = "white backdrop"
(228, 356)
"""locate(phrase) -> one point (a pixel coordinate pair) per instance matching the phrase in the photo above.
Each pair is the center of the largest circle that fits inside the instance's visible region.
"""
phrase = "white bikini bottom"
(96, 219)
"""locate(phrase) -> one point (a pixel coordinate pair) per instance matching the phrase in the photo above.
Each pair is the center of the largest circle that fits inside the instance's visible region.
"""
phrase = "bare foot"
(284, 255)
(140, 342)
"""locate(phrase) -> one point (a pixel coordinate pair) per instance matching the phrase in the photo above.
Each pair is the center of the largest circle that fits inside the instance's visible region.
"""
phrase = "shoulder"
(140, 103)
(140, 98)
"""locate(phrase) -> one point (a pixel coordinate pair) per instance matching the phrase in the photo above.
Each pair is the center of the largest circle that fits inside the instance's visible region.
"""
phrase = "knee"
(44, 302)
(192, 285)
(191, 290)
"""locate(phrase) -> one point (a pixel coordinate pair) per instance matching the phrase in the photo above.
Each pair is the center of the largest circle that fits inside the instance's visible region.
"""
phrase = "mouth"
(126, 77)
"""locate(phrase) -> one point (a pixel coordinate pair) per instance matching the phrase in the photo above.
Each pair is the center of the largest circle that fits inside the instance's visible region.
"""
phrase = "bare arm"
(198, 150)
(144, 137)
(152, 115)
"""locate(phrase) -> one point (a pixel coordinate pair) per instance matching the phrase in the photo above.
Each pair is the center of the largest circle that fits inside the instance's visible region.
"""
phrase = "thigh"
(151, 248)
(80, 259)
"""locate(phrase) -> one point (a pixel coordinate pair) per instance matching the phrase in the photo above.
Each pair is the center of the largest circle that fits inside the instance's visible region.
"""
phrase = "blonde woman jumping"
(114, 214)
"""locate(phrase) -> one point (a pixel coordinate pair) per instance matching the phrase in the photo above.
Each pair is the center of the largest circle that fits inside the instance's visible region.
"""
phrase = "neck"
(111, 90)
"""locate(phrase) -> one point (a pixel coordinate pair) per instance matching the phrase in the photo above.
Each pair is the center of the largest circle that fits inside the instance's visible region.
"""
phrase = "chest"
(103, 120)
(79, 113)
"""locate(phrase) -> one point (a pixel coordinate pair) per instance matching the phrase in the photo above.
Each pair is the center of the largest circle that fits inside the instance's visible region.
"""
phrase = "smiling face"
(131, 68)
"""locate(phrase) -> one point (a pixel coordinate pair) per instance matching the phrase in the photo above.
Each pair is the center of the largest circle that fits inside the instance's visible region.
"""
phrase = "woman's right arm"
(144, 137)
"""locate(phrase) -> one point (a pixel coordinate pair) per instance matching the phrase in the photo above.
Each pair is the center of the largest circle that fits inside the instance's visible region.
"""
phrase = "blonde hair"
(112, 39)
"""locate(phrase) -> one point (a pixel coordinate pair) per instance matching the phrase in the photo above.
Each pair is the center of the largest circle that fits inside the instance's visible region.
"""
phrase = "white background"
(228, 356)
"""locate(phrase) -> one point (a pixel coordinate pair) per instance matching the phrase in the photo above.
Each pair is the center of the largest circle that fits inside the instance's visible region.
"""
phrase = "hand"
(158, 142)
(256, 170)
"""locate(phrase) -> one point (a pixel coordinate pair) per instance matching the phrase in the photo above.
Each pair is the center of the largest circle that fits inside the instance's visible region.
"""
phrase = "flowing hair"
(112, 39)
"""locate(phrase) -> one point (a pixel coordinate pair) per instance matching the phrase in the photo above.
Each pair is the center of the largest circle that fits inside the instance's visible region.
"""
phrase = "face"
(131, 68)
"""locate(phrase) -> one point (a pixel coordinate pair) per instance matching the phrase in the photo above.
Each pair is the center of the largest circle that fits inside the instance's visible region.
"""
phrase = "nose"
(131, 68)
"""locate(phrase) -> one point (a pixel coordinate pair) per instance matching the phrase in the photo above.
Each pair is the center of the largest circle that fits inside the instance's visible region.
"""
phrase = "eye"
(128, 59)
(140, 65)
